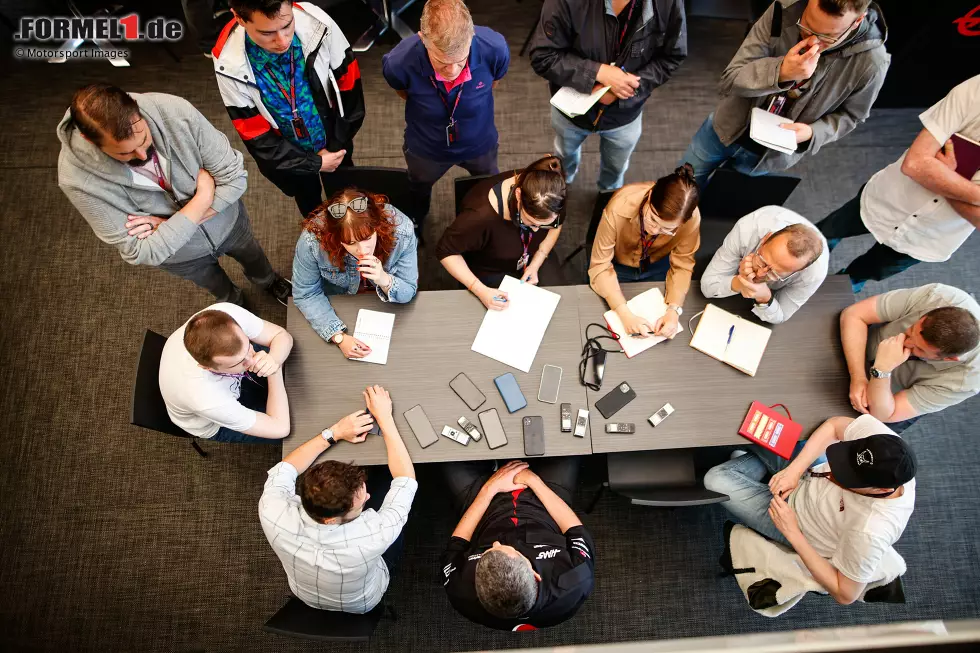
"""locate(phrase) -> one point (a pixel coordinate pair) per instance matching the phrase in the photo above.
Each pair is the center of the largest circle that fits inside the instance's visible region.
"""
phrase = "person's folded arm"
(308, 293)
(754, 71)
(274, 422)
(787, 300)
(602, 274)
(225, 164)
(855, 320)
(682, 262)
(967, 211)
(277, 339)
(552, 50)
(921, 166)
(471, 518)
(563, 515)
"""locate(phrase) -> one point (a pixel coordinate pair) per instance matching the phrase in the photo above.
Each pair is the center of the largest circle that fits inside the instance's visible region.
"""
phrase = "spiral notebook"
(374, 328)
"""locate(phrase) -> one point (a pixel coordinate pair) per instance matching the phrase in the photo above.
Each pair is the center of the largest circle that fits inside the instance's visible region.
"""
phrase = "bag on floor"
(773, 577)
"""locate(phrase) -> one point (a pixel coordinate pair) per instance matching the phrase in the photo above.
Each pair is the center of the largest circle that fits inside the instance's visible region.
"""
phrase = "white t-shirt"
(908, 217)
(851, 530)
(200, 401)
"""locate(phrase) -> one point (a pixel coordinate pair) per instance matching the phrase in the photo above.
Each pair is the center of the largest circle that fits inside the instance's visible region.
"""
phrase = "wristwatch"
(677, 309)
(878, 374)
(337, 338)
(327, 435)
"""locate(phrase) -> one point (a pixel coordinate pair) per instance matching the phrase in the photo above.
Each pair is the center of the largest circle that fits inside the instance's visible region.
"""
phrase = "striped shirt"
(333, 566)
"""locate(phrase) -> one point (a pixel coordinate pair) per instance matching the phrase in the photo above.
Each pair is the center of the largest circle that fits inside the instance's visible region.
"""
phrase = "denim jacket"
(315, 277)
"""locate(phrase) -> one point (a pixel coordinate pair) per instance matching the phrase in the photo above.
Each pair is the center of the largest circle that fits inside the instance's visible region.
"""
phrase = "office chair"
(391, 182)
(664, 479)
(296, 619)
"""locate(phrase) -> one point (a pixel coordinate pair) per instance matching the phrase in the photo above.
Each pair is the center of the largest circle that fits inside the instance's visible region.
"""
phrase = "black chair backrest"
(391, 182)
(149, 409)
(463, 185)
(296, 619)
(730, 194)
(600, 205)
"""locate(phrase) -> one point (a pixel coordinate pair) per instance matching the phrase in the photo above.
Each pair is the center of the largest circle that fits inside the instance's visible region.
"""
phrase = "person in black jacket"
(631, 46)
(519, 558)
(292, 87)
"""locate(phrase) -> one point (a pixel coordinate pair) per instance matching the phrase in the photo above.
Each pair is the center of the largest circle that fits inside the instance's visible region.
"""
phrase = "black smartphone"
(493, 429)
(615, 399)
(467, 391)
(533, 435)
(421, 426)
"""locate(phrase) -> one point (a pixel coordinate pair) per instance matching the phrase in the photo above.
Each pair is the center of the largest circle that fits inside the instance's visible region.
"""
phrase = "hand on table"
(531, 274)
(378, 401)
(633, 323)
(351, 347)
(666, 325)
(859, 394)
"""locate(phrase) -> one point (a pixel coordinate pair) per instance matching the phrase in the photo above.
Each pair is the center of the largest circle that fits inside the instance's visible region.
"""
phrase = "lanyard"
(452, 112)
(158, 171)
(629, 17)
(523, 261)
(291, 96)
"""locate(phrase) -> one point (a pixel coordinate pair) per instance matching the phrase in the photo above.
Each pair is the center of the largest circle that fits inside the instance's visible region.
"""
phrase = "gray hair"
(447, 25)
(505, 585)
(803, 242)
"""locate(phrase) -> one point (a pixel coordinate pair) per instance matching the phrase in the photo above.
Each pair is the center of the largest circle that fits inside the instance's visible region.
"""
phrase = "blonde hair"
(447, 25)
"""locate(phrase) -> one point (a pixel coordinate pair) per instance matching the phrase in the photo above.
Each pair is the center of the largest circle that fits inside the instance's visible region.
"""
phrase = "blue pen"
(731, 332)
(501, 298)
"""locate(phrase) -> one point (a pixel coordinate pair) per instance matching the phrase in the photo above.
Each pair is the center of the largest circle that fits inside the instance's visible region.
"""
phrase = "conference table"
(803, 368)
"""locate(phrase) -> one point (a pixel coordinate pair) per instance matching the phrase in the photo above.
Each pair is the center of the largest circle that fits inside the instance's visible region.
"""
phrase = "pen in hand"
(500, 298)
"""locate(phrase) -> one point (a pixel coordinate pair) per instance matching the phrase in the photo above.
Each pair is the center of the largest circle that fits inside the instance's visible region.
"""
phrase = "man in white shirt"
(923, 348)
(217, 385)
(918, 208)
(338, 553)
(841, 516)
(774, 257)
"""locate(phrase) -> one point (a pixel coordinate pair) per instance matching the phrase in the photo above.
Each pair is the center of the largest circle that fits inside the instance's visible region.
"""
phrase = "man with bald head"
(774, 257)
(154, 179)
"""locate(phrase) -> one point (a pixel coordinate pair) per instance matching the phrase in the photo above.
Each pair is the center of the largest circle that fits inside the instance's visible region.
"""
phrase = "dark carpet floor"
(117, 538)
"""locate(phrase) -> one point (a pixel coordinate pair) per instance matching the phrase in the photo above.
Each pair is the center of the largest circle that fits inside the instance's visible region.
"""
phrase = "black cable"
(592, 349)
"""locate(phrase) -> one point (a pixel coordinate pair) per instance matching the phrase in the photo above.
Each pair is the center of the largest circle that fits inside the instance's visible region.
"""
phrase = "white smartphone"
(550, 382)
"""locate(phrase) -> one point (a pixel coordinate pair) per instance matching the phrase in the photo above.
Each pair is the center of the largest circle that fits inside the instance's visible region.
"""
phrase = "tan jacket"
(618, 237)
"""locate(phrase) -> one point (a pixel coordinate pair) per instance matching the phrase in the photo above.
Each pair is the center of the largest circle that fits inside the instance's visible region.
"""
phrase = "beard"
(136, 163)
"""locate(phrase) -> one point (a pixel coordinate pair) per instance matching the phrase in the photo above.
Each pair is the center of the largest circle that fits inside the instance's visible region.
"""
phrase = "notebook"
(747, 345)
(967, 153)
(573, 103)
(771, 429)
(649, 305)
(764, 129)
(373, 328)
(512, 336)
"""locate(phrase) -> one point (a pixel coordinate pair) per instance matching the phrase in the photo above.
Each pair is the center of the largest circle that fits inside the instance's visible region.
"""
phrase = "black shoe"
(282, 289)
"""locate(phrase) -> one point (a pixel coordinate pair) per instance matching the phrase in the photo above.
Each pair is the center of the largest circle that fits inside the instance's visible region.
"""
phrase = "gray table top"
(803, 368)
(429, 346)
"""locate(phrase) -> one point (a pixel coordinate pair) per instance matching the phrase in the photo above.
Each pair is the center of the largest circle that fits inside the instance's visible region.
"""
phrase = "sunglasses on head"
(338, 210)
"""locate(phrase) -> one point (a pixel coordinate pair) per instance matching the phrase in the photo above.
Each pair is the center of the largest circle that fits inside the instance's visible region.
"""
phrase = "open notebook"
(649, 305)
(373, 328)
(748, 343)
(574, 103)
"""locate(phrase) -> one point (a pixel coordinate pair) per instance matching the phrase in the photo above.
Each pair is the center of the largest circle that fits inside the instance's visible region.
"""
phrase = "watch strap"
(327, 435)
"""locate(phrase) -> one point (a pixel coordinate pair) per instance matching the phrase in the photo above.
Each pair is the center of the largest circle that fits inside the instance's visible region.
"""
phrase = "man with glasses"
(217, 385)
(292, 88)
(819, 63)
(774, 257)
(446, 75)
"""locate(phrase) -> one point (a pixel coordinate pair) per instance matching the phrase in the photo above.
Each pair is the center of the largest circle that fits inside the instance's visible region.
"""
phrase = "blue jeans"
(706, 152)
(615, 147)
(749, 496)
(656, 271)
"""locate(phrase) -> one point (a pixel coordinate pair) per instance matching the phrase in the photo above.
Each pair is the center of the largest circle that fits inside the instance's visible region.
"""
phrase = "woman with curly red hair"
(354, 242)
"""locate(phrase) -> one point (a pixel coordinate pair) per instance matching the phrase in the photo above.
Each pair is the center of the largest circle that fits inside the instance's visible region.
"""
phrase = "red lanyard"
(452, 112)
(158, 171)
(629, 16)
(291, 96)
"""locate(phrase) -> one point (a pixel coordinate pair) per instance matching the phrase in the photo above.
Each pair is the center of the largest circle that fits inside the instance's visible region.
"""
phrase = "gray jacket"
(105, 193)
(844, 85)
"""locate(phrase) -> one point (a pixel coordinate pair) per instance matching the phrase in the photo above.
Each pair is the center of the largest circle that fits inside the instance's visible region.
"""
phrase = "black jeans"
(424, 173)
(309, 188)
(378, 483)
(464, 479)
(242, 246)
(879, 262)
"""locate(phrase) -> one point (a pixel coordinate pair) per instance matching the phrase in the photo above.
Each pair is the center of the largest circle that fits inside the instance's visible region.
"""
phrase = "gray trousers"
(241, 245)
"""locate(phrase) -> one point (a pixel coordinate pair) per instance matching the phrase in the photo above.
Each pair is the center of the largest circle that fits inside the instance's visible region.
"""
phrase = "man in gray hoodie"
(157, 181)
(819, 63)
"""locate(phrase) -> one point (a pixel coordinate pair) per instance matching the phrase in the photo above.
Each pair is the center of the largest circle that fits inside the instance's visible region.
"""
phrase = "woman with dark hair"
(649, 232)
(355, 242)
(509, 224)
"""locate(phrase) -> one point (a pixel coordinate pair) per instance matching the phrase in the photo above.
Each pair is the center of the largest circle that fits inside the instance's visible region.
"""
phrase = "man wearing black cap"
(841, 514)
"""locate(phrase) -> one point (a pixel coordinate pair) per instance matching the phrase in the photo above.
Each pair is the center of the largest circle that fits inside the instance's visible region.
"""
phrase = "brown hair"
(245, 8)
(841, 7)
(211, 333)
(802, 242)
(100, 109)
(354, 227)
(327, 490)
(675, 195)
(543, 190)
(951, 329)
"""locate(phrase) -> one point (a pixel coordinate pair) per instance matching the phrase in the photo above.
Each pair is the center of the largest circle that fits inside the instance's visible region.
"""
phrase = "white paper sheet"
(374, 328)
(573, 103)
(765, 129)
(512, 336)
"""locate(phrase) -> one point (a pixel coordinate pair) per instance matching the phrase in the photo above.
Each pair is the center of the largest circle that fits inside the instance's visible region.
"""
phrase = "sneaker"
(282, 289)
(738, 453)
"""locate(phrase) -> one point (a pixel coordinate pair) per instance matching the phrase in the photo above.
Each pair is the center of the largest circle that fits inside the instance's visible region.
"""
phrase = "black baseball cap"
(881, 460)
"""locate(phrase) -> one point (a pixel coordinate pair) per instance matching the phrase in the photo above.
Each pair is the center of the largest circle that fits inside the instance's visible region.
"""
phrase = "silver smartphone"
(550, 382)
(492, 428)
(467, 391)
(421, 426)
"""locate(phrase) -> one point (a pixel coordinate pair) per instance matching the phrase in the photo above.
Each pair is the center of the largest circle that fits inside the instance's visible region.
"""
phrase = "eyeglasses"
(826, 39)
(661, 229)
(771, 274)
(338, 210)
